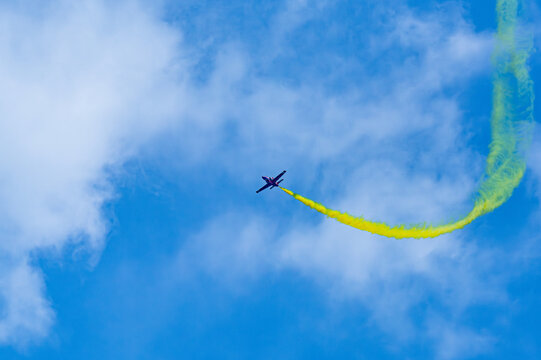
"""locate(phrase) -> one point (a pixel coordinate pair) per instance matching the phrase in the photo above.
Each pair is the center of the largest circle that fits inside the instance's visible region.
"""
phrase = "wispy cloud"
(407, 128)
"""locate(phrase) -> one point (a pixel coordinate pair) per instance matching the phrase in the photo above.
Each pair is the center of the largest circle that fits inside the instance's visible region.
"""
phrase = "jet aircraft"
(272, 182)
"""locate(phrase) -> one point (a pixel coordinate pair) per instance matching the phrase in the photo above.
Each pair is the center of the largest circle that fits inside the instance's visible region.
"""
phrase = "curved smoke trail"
(511, 122)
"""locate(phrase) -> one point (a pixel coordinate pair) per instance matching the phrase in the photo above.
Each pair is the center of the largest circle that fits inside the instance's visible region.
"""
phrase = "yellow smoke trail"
(511, 122)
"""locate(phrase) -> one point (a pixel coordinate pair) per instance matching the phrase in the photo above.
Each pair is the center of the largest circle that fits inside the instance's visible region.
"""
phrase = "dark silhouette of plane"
(272, 182)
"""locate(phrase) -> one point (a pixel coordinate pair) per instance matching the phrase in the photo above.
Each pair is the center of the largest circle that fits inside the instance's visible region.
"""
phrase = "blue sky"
(134, 137)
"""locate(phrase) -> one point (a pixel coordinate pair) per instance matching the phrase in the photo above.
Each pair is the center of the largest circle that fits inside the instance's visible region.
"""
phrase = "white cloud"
(305, 126)
(26, 314)
(83, 85)
(440, 278)
(233, 250)
(458, 343)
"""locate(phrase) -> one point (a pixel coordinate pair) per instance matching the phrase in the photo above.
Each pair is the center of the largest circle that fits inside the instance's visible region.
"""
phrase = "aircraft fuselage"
(270, 181)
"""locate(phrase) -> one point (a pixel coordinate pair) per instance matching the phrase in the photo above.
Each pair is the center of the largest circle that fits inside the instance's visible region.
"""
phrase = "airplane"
(272, 182)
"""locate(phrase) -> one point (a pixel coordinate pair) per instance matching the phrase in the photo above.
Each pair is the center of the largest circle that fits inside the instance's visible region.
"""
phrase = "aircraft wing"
(279, 175)
(263, 188)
